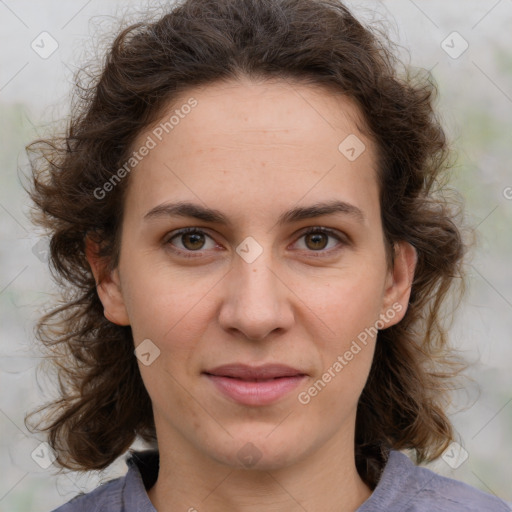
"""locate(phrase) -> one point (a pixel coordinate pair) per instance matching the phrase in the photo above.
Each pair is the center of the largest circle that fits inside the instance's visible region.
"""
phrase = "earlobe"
(108, 285)
(400, 281)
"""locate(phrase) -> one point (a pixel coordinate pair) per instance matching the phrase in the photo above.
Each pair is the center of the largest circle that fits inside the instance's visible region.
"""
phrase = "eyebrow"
(188, 209)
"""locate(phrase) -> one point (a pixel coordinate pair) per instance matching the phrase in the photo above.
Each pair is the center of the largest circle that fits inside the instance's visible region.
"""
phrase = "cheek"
(346, 357)
(162, 303)
(175, 328)
(164, 308)
(344, 303)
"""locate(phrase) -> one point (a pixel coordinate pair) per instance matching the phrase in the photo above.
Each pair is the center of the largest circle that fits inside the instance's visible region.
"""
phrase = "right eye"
(192, 240)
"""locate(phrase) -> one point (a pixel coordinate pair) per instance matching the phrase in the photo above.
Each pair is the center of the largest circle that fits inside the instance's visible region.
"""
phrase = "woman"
(246, 213)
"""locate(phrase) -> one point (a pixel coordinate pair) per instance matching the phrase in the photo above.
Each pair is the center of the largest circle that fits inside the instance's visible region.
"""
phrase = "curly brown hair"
(103, 404)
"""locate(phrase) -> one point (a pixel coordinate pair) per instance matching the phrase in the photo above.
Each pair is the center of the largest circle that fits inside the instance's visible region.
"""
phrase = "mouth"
(249, 385)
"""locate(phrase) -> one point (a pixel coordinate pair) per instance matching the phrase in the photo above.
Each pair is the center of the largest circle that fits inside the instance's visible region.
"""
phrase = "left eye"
(318, 238)
(194, 239)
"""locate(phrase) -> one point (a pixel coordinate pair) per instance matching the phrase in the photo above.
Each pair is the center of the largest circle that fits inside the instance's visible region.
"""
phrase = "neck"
(326, 480)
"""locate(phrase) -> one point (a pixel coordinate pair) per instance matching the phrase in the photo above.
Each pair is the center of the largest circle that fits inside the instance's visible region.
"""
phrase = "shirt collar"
(143, 471)
(142, 474)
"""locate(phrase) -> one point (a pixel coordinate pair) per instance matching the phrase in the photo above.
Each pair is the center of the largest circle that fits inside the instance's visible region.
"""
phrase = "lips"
(254, 386)
(253, 373)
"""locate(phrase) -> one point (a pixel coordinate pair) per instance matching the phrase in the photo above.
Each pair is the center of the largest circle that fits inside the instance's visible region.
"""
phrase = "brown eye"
(189, 240)
(316, 241)
(192, 241)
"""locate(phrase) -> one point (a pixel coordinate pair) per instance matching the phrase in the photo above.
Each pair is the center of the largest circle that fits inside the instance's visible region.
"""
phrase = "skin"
(254, 150)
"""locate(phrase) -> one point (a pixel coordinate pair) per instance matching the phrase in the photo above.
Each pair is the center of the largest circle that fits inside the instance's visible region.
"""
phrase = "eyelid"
(340, 236)
(183, 231)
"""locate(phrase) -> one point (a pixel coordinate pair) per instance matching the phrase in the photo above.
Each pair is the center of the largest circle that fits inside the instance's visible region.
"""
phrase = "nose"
(257, 300)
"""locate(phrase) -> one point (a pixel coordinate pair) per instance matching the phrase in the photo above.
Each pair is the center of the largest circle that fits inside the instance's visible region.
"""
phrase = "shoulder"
(406, 487)
(123, 494)
(108, 496)
(447, 494)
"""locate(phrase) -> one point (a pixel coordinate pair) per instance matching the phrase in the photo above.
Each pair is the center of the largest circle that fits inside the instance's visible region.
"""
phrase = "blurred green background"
(476, 107)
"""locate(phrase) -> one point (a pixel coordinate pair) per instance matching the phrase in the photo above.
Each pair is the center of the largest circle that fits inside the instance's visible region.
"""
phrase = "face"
(266, 279)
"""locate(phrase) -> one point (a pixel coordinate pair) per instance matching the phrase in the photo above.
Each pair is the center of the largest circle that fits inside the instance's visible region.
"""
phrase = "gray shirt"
(403, 487)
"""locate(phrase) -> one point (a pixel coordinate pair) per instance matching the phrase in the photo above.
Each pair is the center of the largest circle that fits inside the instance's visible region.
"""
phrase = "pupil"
(314, 238)
(198, 238)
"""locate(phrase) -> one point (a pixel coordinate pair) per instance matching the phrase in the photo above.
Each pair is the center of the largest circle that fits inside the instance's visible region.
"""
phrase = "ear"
(108, 285)
(399, 284)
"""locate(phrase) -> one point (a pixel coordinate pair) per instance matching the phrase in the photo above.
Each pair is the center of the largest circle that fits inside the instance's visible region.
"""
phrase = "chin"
(257, 451)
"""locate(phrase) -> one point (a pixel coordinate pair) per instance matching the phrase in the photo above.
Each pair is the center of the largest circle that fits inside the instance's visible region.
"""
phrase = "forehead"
(275, 138)
(296, 112)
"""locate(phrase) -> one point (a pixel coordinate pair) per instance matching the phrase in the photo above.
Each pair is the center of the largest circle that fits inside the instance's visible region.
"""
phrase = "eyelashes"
(197, 235)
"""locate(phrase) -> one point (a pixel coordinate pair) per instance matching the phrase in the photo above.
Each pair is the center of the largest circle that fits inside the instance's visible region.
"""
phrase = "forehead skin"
(253, 150)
